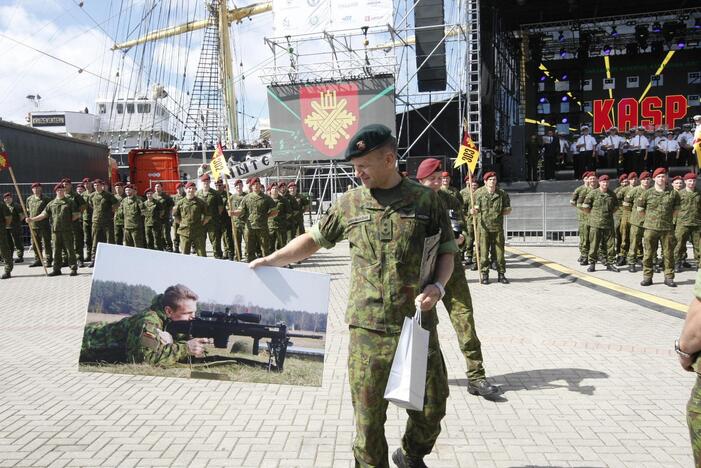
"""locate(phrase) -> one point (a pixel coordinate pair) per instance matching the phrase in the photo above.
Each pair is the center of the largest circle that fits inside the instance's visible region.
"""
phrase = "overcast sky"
(214, 280)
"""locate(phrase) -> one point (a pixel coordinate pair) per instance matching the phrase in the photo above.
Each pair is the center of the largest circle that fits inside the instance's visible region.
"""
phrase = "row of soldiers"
(626, 226)
(68, 227)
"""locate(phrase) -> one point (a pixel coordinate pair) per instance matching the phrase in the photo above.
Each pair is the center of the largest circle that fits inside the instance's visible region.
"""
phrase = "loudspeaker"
(412, 164)
(564, 175)
(679, 170)
(432, 76)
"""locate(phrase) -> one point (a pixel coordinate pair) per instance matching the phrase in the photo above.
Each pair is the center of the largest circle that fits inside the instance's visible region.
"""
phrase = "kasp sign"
(652, 111)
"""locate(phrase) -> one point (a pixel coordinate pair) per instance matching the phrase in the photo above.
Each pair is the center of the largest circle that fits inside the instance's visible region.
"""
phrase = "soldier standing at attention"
(118, 215)
(36, 203)
(622, 183)
(167, 203)
(63, 214)
(302, 205)
(469, 229)
(78, 239)
(254, 210)
(179, 195)
(601, 203)
(624, 227)
(153, 221)
(215, 207)
(225, 221)
(492, 204)
(133, 211)
(583, 228)
(85, 219)
(290, 206)
(191, 215)
(276, 225)
(688, 223)
(104, 205)
(5, 249)
(635, 221)
(236, 199)
(14, 230)
(592, 184)
(658, 206)
(384, 221)
(457, 299)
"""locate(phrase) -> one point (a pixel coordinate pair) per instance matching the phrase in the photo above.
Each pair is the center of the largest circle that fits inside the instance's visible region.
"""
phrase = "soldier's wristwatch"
(678, 350)
(440, 288)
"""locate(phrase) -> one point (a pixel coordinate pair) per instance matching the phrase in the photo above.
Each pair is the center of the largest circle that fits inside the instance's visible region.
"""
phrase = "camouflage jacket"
(79, 203)
(103, 205)
(302, 205)
(236, 200)
(583, 194)
(292, 209)
(5, 218)
(621, 196)
(386, 230)
(690, 208)
(575, 201)
(190, 214)
(132, 212)
(659, 208)
(137, 339)
(35, 205)
(86, 214)
(602, 205)
(279, 222)
(17, 215)
(214, 204)
(167, 203)
(153, 214)
(255, 208)
(61, 211)
(453, 207)
(119, 214)
(491, 206)
(630, 200)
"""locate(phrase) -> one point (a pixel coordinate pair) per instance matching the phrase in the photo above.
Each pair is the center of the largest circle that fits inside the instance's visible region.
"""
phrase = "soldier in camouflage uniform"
(167, 203)
(622, 183)
(118, 214)
(601, 204)
(254, 210)
(445, 185)
(285, 221)
(191, 215)
(635, 250)
(239, 226)
(86, 190)
(384, 221)
(576, 201)
(468, 226)
(132, 212)
(658, 206)
(153, 221)
(78, 238)
(277, 225)
(142, 338)
(5, 249)
(688, 223)
(624, 226)
(14, 230)
(457, 299)
(103, 207)
(179, 195)
(36, 203)
(215, 207)
(63, 213)
(302, 203)
(492, 204)
(225, 221)
(688, 347)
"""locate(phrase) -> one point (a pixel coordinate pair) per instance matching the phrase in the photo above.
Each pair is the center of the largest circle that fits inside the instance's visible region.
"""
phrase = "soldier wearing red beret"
(601, 203)
(635, 221)
(14, 229)
(688, 223)
(118, 220)
(576, 201)
(445, 185)
(179, 195)
(35, 204)
(492, 204)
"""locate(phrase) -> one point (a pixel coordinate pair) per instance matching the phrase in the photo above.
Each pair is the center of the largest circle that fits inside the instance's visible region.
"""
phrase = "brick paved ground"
(589, 379)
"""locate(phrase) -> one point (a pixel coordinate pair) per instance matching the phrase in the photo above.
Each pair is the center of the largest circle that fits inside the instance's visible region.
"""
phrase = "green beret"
(367, 139)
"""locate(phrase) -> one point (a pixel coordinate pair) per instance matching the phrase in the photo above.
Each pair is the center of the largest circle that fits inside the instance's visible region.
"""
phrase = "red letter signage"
(602, 115)
(627, 114)
(675, 107)
(651, 112)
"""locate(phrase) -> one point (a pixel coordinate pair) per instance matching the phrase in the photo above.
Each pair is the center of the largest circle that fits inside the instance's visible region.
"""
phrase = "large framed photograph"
(166, 314)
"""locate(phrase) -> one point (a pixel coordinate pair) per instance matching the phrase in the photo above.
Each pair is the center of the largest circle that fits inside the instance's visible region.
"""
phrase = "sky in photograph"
(214, 280)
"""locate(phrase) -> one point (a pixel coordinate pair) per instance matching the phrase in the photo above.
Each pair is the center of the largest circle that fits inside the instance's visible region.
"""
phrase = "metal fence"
(541, 217)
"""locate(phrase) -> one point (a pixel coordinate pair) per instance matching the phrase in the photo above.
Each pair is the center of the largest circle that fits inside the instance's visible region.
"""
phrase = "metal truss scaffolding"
(474, 74)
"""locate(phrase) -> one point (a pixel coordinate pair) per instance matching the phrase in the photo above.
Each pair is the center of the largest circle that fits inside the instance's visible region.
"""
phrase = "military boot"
(468, 261)
(592, 267)
(502, 279)
(621, 261)
(612, 267)
(74, 272)
(686, 264)
(35, 263)
(657, 269)
(485, 278)
(55, 273)
(678, 267)
(403, 460)
(473, 267)
(584, 262)
(670, 282)
(580, 259)
(631, 267)
(646, 282)
(19, 259)
(481, 387)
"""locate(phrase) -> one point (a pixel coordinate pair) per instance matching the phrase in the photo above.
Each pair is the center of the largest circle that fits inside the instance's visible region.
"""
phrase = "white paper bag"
(407, 379)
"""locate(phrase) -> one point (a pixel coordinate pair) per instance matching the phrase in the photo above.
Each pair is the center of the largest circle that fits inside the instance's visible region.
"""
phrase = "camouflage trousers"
(469, 234)
(257, 243)
(651, 239)
(63, 243)
(298, 226)
(198, 240)
(43, 242)
(237, 234)
(492, 242)
(278, 238)
(166, 234)
(176, 237)
(227, 238)
(635, 249)
(87, 239)
(599, 238)
(101, 233)
(14, 238)
(693, 420)
(133, 237)
(154, 237)
(584, 237)
(683, 234)
(119, 234)
(214, 234)
(78, 241)
(624, 231)
(6, 251)
(370, 355)
(458, 303)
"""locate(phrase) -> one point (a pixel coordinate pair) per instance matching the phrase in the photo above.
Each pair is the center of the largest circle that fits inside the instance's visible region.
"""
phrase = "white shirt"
(613, 141)
(685, 138)
(564, 145)
(588, 143)
(637, 142)
(656, 142)
(669, 146)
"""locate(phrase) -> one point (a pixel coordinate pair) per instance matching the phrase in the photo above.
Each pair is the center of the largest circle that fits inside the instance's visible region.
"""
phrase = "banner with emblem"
(218, 164)
(4, 162)
(468, 154)
(315, 122)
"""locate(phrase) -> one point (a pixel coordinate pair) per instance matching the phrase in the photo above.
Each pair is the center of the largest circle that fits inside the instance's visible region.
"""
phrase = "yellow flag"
(468, 153)
(219, 165)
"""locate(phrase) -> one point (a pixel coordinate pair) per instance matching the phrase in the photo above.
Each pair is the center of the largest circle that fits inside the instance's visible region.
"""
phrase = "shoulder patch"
(359, 219)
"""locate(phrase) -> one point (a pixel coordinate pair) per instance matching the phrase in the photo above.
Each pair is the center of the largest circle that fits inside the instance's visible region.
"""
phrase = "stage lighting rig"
(641, 35)
(656, 27)
(563, 52)
(669, 30)
(657, 47)
(560, 37)
(697, 23)
(584, 45)
(607, 49)
(614, 31)
(631, 48)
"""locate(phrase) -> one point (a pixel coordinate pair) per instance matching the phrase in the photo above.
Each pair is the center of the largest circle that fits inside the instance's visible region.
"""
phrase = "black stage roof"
(516, 13)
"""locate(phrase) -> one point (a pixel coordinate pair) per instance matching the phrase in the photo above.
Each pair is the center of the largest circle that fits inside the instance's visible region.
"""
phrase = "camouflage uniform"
(240, 225)
(383, 234)
(458, 303)
(41, 229)
(468, 227)
(119, 221)
(302, 202)
(191, 214)
(103, 206)
(136, 339)
(176, 225)
(215, 206)
(602, 205)
(288, 219)
(153, 224)
(624, 225)
(693, 407)
(578, 197)
(78, 239)
(14, 231)
(255, 208)
(491, 227)
(61, 213)
(635, 249)
(133, 211)
(5, 249)
(226, 230)
(167, 203)
(688, 224)
(86, 220)
(658, 207)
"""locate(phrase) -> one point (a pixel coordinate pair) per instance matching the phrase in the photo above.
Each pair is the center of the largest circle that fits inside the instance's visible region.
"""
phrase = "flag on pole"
(218, 165)
(4, 162)
(468, 153)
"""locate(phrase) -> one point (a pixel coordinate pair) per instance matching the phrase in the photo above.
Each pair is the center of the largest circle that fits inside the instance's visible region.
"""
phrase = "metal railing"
(541, 217)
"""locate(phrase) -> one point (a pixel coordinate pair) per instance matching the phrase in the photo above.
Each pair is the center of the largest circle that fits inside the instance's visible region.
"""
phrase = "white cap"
(697, 117)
